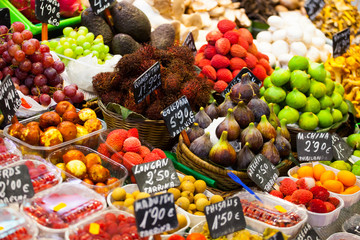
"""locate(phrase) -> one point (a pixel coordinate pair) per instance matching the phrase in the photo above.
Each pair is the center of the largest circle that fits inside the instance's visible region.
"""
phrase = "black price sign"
(178, 116)
(313, 7)
(48, 11)
(237, 79)
(262, 172)
(99, 6)
(313, 146)
(9, 99)
(277, 236)
(307, 233)
(341, 150)
(156, 176)
(155, 215)
(147, 82)
(341, 42)
(190, 42)
(15, 184)
(225, 217)
(5, 17)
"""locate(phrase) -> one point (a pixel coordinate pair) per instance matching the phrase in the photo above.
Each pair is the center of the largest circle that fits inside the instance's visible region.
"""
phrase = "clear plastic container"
(116, 170)
(8, 152)
(349, 199)
(257, 213)
(56, 209)
(90, 140)
(343, 236)
(352, 225)
(14, 225)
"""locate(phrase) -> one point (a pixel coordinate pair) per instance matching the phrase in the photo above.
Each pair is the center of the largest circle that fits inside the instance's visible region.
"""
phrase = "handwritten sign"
(341, 150)
(156, 176)
(313, 146)
(225, 217)
(190, 42)
(313, 7)
(15, 184)
(277, 236)
(5, 17)
(147, 82)
(9, 99)
(178, 116)
(237, 79)
(262, 172)
(48, 11)
(155, 215)
(99, 6)
(341, 42)
(307, 233)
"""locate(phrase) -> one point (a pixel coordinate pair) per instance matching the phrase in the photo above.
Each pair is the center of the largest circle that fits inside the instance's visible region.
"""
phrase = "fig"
(259, 108)
(80, 131)
(273, 119)
(76, 168)
(308, 121)
(325, 118)
(290, 114)
(93, 125)
(282, 144)
(63, 107)
(97, 173)
(212, 110)
(15, 129)
(280, 77)
(86, 114)
(300, 80)
(194, 132)
(337, 99)
(339, 89)
(225, 105)
(252, 136)
(330, 86)
(326, 102)
(317, 89)
(243, 115)
(67, 130)
(244, 157)
(51, 137)
(222, 152)
(284, 131)
(243, 91)
(296, 99)
(71, 116)
(49, 119)
(312, 105)
(202, 118)
(354, 141)
(337, 115)
(30, 135)
(270, 152)
(266, 129)
(317, 71)
(201, 146)
(298, 63)
(267, 82)
(275, 94)
(230, 125)
(344, 108)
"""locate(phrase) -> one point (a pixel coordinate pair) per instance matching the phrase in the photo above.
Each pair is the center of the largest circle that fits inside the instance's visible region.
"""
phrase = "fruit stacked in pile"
(303, 191)
(30, 65)
(5, 156)
(227, 52)
(121, 198)
(20, 233)
(41, 177)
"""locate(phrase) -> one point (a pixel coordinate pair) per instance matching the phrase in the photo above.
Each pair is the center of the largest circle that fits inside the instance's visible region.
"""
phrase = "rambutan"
(287, 186)
(224, 74)
(220, 86)
(172, 82)
(189, 89)
(226, 25)
(301, 196)
(320, 193)
(317, 205)
(220, 61)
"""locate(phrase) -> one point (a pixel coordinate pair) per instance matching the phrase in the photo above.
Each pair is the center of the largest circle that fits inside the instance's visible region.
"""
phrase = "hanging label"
(340, 149)
(307, 233)
(5, 17)
(178, 116)
(9, 99)
(262, 172)
(313, 7)
(225, 217)
(237, 79)
(15, 184)
(147, 82)
(190, 42)
(155, 215)
(314, 146)
(99, 6)
(341, 42)
(48, 11)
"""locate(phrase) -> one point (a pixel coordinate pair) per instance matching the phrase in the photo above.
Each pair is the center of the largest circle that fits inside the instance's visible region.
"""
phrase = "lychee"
(220, 86)
(232, 36)
(209, 52)
(250, 60)
(224, 74)
(209, 71)
(260, 72)
(237, 50)
(219, 61)
(246, 34)
(213, 36)
(226, 25)
(237, 63)
(222, 46)
(132, 144)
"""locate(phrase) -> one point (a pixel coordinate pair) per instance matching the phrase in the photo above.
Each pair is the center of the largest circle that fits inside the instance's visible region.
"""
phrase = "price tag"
(5, 17)
(190, 42)
(178, 116)
(262, 172)
(9, 99)
(155, 215)
(15, 184)
(277, 236)
(341, 42)
(156, 176)
(225, 217)
(341, 150)
(99, 6)
(313, 146)
(237, 79)
(94, 228)
(307, 233)
(313, 7)
(48, 11)
(147, 82)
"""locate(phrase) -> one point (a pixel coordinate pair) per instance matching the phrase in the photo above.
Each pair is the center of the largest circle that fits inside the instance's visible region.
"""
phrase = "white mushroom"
(279, 35)
(264, 36)
(275, 21)
(318, 42)
(313, 54)
(279, 47)
(264, 47)
(294, 34)
(298, 48)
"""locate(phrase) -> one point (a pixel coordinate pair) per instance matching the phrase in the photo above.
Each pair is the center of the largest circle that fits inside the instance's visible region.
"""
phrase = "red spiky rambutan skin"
(151, 157)
(210, 52)
(159, 152)
(213, 36)
(237, 64)
(220, 86)
(250, 60)
(133, 132)
(242, 42)
(224, 74)
(209, 72)
(202, 48)
(260, 55)
(226, 25)
(246, 34)
(253, 49)
(190, 89)
(220, 61)
(143, 151)
(131, 159)
(103, 150)
(277, 193)
(222, 46)
(210, 83)
(235, 73)
(237, 50)
(203, 63)
(132, 144)
(232, 36)
(263, 62)
(172, 82)
(320, 193)
(199, 57)
(259, 71)
(317, 205)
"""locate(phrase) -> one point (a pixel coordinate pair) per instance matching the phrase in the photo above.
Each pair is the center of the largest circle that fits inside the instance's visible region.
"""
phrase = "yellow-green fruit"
(135, 193)
(200, 186)
(188, 195)
(176, 192)
(187, 186)
(216, 198)
(183, 202)
(142, 195)
(198, 196)
(192, 207)
(129, 195)
(189, 178)
(201, 204)
(199, 213)
(274, 94)
(325, 118)
(119, 194)
(308, 121)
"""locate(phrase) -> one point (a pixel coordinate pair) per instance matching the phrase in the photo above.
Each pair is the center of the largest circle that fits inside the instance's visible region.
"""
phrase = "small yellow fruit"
(180, 179)
(135, 193)
(347, 178)
(188, 195)
(182, 221)
(183, 202)
(118, 204)
(192, 207)
(200, 186)
(142, 195)
(201, 204)
(175, 192)
(187, 186)
(198, 196)
(119, 194)
(131, 209)
(199, 213)
(216, 198)
(129, 195)
(129, 202)
(189, 178)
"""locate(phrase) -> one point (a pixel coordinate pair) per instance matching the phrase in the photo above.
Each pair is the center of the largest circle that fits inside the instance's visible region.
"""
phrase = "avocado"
(130, 20)
(163, 36)
(124, 44)
(97, 25)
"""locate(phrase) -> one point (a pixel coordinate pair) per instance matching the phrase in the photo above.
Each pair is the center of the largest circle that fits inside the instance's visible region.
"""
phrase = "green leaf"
(123, 111)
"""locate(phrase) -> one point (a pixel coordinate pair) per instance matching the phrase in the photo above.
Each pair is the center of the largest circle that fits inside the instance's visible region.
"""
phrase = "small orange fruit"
(91, 159)
(327, 175)
(318, 170)
(347, 178)
(351, 190)
(318, 183)
(73, 155)
(295, 175)
(333, 186)
(101, 188)
(305, 171)
(88, 181)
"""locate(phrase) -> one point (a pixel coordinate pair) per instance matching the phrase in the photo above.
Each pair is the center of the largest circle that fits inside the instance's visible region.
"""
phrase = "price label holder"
(147, 83)
(313, 7)
(155, 215)
(9, 99)
(190, 42)
(237, 79)
(262, 172)
(341, 42)
(341, 150)
(307, 233)
(47, 12)
(99, 6)
(314, 146)
(156, 176)
(15, 184)
(5, 17)
(225, 217)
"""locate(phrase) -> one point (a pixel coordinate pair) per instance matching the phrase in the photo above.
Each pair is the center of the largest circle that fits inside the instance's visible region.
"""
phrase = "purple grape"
(45, 99)
(25, 65)
(70, 91)
(57, 80)
(59, 66)
(15, 80)
(24, 89)
(29, 81)
(50, 73)
(40, 80)
(59, 96)
(45, 89)
(20, 74)
(8, 71)
(2, 63)
(35, 91)
(78, 98)
(37, 68)
(6, 56)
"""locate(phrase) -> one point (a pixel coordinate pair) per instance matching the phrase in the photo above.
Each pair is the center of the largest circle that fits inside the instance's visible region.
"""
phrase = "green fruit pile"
(305, 94)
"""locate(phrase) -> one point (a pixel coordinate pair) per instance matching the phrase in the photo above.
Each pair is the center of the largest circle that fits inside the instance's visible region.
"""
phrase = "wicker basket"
(223, 181)
(152, 131)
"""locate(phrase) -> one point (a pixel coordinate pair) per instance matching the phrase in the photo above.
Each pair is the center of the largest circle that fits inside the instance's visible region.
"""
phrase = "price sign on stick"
(341, 42)
(15, 184)
(341, 150)
(178, 116)
(307, 233)
(147, 83)
(313, 146)
(190, 42)
(9, 99)
(99, 6)
(48, 11)
(156, 176)
(155, 215)
(262, 172)
(313, 7)
(237, 79)
(225, 217)
(5, 17)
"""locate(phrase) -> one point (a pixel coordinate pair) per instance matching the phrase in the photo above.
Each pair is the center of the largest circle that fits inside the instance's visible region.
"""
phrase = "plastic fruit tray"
(8, 152)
